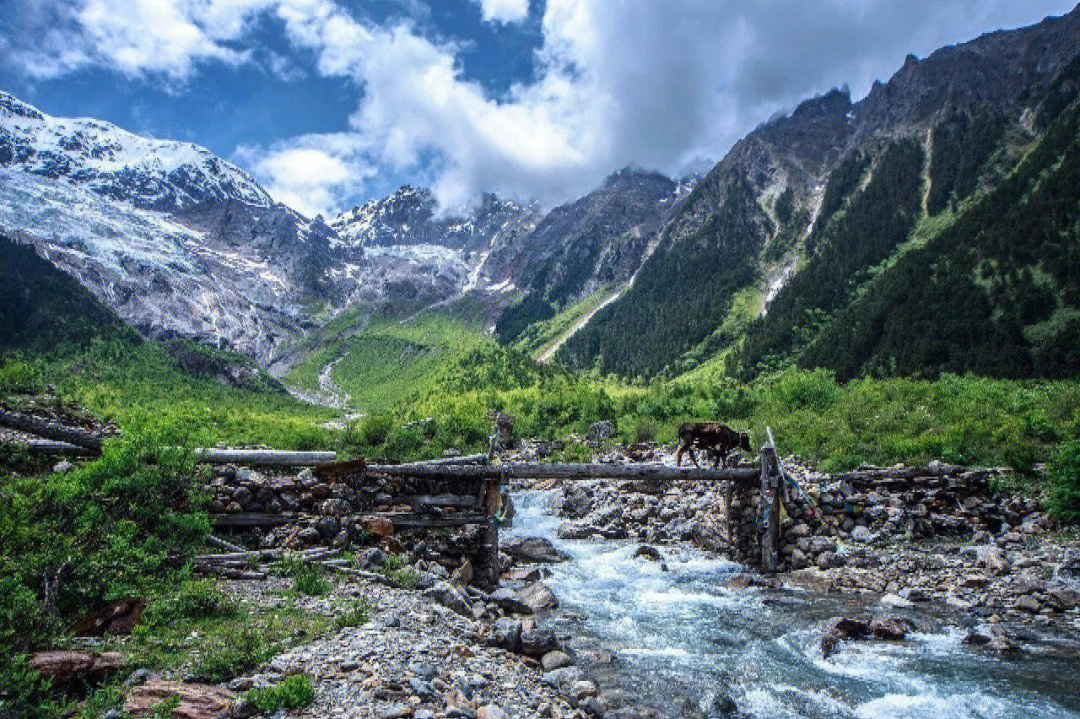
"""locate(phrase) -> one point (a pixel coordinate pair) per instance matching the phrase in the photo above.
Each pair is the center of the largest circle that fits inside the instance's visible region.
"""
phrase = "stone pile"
(301, 510)
(821, 516)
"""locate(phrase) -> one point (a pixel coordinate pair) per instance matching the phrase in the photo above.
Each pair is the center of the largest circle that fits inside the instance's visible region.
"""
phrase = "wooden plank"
(409, 519)
(465, 459)
(251, 519)
(440, 500)
(263, 457)
(571, 472)
(50, 430)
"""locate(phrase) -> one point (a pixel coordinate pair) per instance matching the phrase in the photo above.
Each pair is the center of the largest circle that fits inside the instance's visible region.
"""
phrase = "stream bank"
(686, 638)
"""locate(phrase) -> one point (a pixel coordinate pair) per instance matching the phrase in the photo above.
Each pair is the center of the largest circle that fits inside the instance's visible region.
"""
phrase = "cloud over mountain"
(657, 85)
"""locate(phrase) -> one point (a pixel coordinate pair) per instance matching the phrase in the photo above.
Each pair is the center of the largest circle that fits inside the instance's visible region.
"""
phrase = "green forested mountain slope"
(685, 290)
(812, 214)
(997, 292)
(42, 309)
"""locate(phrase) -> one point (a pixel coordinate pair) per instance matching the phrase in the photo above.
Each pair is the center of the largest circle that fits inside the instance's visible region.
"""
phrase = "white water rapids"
(682, 637)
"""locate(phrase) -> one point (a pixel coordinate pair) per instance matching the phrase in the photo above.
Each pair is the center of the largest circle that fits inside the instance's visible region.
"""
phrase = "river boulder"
(532, 550)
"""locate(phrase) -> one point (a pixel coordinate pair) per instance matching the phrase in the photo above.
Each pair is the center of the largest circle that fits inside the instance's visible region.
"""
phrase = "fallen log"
(225, 545)
(451, 461)
(409, 519)
(264, 457)
(51, 430)
(570, 472)
(54, 448)
(250, 519)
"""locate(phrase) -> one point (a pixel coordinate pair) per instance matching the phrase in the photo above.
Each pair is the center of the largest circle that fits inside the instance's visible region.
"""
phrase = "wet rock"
(582, 690)
(576, 530)
(841, 629)
(507, 634)
(534, 550)
(527, 574)
(895, 600)
(538, 642)
(722, 705)
(889, 629)
(538, 597)
(648, 552)
(993, 558)
(509, 600)
(563, 678)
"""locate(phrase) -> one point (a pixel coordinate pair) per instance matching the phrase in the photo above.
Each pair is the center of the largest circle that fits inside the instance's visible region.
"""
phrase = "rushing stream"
(683, 637)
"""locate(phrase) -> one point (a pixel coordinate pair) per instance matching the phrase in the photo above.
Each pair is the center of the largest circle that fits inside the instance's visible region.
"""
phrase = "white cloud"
(311, 173)
(504, 11)
(654, 84)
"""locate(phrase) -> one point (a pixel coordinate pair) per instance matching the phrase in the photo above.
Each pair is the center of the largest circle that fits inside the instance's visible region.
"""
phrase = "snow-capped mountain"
(413, 253)
(177, 240)
(152, 174)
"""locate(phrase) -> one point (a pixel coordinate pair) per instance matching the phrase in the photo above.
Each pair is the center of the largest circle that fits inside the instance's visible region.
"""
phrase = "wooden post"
(731, 539)
(770, 497)
(490, 506)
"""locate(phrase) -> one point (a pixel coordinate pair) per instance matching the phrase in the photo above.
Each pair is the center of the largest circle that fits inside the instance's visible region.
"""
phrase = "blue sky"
(329, 102)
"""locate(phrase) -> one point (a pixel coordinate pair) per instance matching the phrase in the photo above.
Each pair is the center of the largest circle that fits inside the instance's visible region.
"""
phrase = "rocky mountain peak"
(152, 174)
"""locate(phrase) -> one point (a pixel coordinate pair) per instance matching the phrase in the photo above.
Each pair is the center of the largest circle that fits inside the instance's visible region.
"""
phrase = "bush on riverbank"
(959, 419)
(1064, 475)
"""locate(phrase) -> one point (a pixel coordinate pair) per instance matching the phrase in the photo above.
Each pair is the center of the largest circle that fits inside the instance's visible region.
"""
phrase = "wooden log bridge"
(567, 472)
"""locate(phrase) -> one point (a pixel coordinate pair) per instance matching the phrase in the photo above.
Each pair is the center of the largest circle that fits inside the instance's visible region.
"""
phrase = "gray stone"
(532, 550)
(508, 600)
(599, 431)
(555, 660)
(450, 597)
(538, 597)
(507, 634)
(538, 642)
(562, 679)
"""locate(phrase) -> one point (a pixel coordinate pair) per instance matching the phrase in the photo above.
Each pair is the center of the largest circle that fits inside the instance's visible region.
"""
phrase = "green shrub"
(356, 613)
(106, 529)
(1064, 475)
(20, 377)
(307, 578)
(397, 568)
(232, 652)
(191, 600)
(373, 429)
(293, 692)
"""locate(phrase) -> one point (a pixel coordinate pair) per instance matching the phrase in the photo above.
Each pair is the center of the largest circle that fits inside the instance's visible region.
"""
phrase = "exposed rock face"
(67, 667)
(197, 701)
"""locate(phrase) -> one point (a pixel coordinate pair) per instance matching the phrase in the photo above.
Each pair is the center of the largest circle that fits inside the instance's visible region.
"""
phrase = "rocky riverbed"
(904, 535)
(414, 658)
